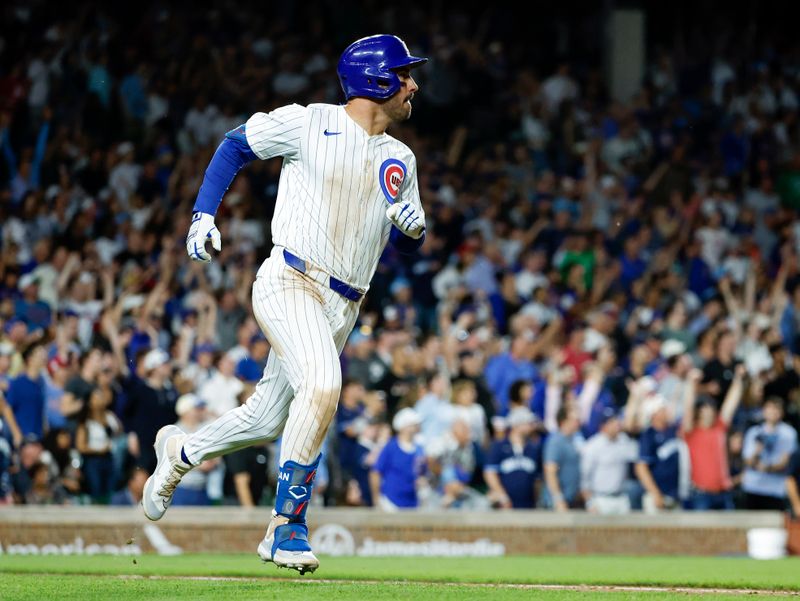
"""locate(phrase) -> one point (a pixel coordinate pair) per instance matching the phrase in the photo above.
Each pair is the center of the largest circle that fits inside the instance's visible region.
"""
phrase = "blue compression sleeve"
(405, 245)
(233, 154)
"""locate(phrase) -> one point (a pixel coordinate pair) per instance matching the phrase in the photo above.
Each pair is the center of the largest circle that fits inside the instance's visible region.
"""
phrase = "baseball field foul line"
(487, 585)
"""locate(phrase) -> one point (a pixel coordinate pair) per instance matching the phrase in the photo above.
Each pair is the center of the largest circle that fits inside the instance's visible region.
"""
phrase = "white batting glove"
(201, 231)
(407, 220)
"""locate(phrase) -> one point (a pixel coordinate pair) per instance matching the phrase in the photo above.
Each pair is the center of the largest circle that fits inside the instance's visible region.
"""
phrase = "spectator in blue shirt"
(34, 312)
(659, 465)
(514, 465)
(631, 262)
(768, 447)
(562, 462)
(397, 472)
(251, 368)
(350, 423)
(26, 393)
(506, 368)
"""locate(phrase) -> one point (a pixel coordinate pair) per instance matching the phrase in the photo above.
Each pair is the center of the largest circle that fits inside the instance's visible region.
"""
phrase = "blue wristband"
(405, 245)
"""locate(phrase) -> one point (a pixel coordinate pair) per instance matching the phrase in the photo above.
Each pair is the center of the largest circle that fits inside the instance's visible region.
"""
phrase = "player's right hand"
(201, 231)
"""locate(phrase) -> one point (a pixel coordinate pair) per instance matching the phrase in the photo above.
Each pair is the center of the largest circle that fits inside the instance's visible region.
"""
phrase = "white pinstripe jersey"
(335, 186)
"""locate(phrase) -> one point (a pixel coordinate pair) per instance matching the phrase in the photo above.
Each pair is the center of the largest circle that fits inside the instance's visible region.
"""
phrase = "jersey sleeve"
(276, 133)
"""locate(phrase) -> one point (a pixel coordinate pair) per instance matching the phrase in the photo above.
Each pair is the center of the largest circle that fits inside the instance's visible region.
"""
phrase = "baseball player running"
(346, 189)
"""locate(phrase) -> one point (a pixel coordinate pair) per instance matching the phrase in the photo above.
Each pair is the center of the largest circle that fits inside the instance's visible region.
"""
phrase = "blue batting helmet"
(367, 66)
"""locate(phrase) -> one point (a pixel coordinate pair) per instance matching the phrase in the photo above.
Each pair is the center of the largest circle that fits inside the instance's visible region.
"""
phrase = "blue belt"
(338, 286)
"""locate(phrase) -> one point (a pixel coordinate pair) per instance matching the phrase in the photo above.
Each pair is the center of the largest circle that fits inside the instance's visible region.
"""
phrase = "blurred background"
(604, 315)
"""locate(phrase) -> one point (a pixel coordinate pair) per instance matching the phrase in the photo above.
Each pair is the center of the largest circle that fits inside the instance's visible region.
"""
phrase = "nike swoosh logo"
(331, 133)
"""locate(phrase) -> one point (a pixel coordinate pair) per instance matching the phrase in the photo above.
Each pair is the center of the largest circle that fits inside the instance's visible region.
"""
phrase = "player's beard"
(398, 108)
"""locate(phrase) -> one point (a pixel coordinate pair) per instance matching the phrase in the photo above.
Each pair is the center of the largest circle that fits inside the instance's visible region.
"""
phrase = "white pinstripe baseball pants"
(307, 325)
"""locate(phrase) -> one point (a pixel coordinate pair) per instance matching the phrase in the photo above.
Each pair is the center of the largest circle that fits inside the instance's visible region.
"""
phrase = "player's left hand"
(201, 231)
(407, 220)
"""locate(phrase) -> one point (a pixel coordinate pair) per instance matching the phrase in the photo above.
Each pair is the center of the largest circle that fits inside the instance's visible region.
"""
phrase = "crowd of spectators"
(605, 313)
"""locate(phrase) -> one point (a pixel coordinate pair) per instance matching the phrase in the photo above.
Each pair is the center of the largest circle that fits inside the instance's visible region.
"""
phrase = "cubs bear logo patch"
(391, 176)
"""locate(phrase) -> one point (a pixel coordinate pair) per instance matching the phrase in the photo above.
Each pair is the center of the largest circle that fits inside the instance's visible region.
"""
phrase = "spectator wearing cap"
(672, 384)
(663, 465)
(705, 431)
(398, 472)
(562, 471)
(26, 393)
(151, 405)
(605, 464)
(97, 427)
(251, 367)
(192, 490)
(514, 464)
(36, 313)
(767, 450)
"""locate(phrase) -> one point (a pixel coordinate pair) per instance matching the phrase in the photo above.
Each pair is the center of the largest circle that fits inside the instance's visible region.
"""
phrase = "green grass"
(36, 588)
(54, 577)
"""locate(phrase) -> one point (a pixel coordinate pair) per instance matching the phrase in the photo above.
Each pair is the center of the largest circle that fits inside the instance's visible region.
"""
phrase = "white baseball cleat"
(169, 470)
(291, 550)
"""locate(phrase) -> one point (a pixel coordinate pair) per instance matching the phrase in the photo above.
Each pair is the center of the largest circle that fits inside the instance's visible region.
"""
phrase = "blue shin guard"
(295, 483)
